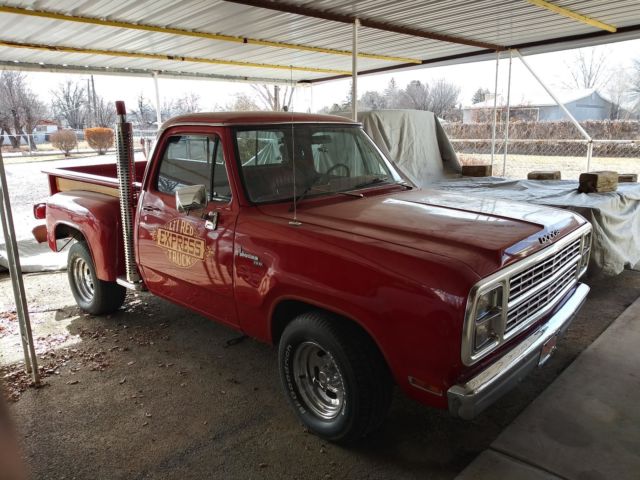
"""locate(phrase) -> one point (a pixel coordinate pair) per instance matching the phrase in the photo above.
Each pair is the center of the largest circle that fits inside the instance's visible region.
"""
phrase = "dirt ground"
(155, 391)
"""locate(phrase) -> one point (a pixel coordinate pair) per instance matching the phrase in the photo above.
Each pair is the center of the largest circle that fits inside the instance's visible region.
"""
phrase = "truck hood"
(486, 234)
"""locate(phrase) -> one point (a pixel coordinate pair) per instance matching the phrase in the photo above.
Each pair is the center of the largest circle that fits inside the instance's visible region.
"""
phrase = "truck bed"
(97, 177)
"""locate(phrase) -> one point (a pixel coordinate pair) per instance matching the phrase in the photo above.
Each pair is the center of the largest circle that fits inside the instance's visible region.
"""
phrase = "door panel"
(184, 258)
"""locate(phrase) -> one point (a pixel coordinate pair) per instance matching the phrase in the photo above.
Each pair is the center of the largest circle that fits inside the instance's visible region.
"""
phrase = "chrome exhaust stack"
(125, 164)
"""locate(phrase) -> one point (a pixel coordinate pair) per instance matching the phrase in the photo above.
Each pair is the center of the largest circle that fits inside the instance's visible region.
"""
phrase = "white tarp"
(416, 142)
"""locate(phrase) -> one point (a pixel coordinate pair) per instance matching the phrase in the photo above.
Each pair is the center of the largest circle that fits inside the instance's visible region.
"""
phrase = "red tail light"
(40, 211)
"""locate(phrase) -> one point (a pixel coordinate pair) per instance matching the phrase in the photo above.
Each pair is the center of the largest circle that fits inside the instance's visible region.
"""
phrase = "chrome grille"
(541, 299)
(536, 274)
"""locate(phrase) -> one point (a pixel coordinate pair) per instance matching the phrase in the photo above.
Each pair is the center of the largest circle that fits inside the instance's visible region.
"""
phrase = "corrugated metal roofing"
(506, 23)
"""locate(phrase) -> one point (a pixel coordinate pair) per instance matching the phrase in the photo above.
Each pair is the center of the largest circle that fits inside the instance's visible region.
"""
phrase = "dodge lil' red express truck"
(297, 231)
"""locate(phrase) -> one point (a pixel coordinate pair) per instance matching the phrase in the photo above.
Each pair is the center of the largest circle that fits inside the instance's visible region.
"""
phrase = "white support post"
(506, 127)
(495, 105)
(575, 122)
(157, 89)
(15, 271)
(354, 71)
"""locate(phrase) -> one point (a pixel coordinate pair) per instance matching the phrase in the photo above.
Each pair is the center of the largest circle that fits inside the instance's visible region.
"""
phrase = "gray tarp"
(416, 142)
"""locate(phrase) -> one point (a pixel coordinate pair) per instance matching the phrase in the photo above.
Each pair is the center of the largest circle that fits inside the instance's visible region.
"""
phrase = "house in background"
(43, 129)
(584, 104)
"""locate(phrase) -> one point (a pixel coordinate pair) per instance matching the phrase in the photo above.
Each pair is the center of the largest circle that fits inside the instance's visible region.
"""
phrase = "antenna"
(295, 221)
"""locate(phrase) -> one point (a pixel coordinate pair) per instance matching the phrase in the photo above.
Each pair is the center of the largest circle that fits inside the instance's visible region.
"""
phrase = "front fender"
(97, 217)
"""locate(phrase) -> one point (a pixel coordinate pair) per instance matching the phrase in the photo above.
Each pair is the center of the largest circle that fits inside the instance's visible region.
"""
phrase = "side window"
(261, 147)
(194, 160)
(186, 161)
(221, 189)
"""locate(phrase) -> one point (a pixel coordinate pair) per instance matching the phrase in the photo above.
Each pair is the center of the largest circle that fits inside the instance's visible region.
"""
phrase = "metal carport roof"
(304, 40)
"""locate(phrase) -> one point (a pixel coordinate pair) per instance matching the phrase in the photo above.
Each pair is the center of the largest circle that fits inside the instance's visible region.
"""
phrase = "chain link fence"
(39, 144)
(549, 146)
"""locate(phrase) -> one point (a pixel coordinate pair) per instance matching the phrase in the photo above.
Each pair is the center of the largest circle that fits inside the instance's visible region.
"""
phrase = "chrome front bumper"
(469, 399)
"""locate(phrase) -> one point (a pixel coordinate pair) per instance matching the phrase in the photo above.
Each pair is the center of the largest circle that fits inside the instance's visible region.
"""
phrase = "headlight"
(488, 318)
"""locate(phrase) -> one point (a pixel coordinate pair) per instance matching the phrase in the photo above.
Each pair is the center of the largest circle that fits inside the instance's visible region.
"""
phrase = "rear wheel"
(334, 376)
(92, 294)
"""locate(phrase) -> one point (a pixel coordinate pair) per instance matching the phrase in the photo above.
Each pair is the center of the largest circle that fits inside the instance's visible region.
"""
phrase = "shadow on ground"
(154, 391)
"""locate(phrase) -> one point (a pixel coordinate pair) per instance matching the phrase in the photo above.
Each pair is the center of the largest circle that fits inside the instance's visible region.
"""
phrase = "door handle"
(211, 220)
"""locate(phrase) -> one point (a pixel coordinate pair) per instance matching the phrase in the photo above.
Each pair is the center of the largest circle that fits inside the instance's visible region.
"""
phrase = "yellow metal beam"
(173, 58)
(574, 15)
(191, 33)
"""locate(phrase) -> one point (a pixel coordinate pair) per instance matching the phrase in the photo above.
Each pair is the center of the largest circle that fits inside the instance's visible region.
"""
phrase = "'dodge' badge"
(178, 239)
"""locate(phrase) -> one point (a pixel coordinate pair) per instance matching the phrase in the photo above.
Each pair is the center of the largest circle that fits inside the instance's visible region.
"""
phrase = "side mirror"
(190, 198)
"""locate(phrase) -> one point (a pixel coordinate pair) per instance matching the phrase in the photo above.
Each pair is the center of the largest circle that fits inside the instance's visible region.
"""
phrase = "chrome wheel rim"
(319, 380)
(83, 279)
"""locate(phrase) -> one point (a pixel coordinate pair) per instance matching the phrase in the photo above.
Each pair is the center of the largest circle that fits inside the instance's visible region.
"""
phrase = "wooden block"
(476, 170)
(598, 182)
(544, 175)
(628, 178)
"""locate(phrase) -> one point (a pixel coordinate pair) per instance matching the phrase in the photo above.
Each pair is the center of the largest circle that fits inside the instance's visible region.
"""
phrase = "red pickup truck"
(295, 230)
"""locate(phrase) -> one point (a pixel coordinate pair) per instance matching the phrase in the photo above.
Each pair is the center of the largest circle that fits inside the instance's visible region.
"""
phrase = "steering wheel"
(331, 169)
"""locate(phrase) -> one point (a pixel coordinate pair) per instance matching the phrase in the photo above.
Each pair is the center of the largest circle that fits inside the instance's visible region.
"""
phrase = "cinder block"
(628, 178)
(598, 182)
(476, 170)
(544, 175)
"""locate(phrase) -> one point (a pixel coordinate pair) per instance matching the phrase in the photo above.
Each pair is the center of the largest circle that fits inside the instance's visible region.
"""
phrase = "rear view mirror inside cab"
(193, 197)
(320, 139)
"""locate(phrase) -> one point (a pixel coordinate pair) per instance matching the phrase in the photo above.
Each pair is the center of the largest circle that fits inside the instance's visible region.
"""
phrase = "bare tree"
(588, 69)
(275, 97)
(143, 113)
(443, 97)
(415, 96)
(105, 113)
(440, 97)
(20, 108)
(242, 103)
(33, 110)
(618, 92)
(634, 89)
(188, 103)
(372, 101)
(11, 86)
(70, 104)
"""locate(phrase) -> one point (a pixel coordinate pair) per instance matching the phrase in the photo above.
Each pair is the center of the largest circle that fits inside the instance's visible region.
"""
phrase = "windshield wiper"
(313, 187)
(374, 181)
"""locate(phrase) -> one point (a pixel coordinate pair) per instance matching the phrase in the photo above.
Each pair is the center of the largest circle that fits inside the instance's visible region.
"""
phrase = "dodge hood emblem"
(549, 236)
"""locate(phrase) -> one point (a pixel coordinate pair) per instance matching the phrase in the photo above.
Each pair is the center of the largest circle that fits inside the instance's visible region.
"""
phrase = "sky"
(551, 67)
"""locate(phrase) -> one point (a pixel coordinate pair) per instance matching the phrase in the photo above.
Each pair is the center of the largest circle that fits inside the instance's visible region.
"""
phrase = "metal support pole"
(506, 127)
(555, 99)
(495, 105)
(15, 270)
(155, 85)
(354, 71)
(575, 122)
(589, 155)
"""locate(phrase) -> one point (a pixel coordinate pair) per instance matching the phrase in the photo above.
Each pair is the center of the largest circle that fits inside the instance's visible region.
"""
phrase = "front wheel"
(334, 376)
(92, 294)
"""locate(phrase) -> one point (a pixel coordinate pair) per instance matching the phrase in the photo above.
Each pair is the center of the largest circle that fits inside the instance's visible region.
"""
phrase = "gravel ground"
(154, 391)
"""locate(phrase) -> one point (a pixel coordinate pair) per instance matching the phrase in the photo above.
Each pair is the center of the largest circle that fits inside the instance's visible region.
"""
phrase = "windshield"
(328, 159)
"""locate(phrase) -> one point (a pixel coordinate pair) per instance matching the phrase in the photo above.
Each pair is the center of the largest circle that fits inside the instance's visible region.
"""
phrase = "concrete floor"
(154, 392)
(585, 425)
